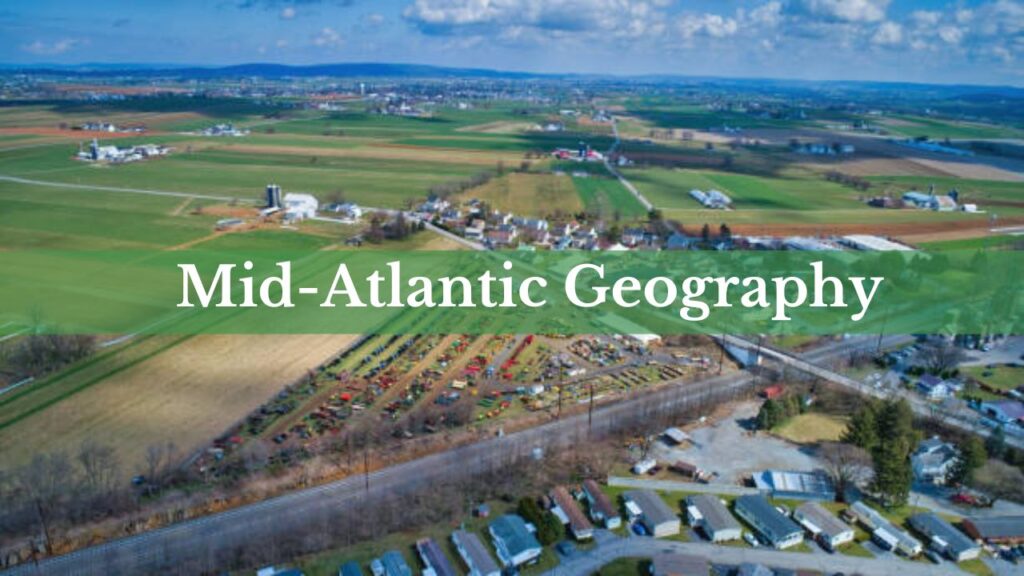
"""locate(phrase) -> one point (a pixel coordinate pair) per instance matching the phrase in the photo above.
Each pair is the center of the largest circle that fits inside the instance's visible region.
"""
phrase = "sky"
(931, 41)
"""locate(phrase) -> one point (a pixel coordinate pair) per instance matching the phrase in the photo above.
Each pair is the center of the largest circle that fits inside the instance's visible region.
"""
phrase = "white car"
(751, 539)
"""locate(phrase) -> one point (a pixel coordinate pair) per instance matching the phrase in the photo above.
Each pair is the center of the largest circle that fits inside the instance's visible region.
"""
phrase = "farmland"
(530, 194)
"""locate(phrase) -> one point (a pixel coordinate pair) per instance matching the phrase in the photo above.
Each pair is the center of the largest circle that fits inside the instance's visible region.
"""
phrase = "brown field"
(387, 152)
(878, 166)
(918, 231)
(187, 395)
(530, 194)
(498, 127)
(43, 116)
(74, 134)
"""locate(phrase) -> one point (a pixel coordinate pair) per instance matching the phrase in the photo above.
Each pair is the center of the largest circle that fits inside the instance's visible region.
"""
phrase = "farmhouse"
(996, 529)
(823, 526)
(514, 542)
(933, 461)
(651, 511)
(433, 558)
(772, 525)
(579, 526)
(679, 565)
(883, 532)
(601, 507)
(933, 388)
(709, 514)
(474, 554)
(300, 206)
(944, 537)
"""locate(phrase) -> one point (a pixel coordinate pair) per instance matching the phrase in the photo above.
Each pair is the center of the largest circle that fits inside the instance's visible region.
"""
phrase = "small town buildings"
(646, 507)
(823, 526)
(707, 513)
(300, 206)
(1005, 411)
(1006, 530)
(775, 528)
(679, 565)
(944, 537)
(883, 532)
(433, 558)
(601, 508)
(474, 554)
(579, 526)
(795, 484)
(347, 210)
(933, 460)
(933, 388)
(515, 544)
(393, 564)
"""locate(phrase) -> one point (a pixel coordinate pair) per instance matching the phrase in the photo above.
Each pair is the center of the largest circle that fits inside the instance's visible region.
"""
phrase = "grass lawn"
(855, 549)
(538, 195)
(625, 567)
(976, 567)
(995, 242)
(812, 427)
(1000, 376)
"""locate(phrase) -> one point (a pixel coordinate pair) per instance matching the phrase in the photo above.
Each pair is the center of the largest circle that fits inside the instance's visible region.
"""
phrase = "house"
(770, 524)
(680, 241)
(933, 388)
(433, 205)
(830, 531)
(650, 510)
(679, 565)
(1005, 411)
(709, 514)
(752, 569)
(1006, 530)
(601, 507)
(632, 236)
(579, 526)
(514, 542)
(350, 569)
(433, 558)
(794, 484)
(772, 392)
(883, 532)
(933, 461)
(393, 564)
(474, 554)
(300, 206)
(944, 537)
(475, 230)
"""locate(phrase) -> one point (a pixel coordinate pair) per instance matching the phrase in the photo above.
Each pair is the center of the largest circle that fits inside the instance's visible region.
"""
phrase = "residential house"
(646, 507)
(707, 513)
(393, 564)
(823, 526)
(933, 388)
(579, 526)
(679, 565)
(515, 544)
(773, 527)
(1005, 411)
(433, 558)
(474, 554)
(883, 532)
(350, 569)
(1006, 530)
(944, 537)
(933, 461)
(601, 508)
(632, 237)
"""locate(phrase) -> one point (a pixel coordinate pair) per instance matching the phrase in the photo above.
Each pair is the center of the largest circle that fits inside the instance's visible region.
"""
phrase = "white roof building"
(300, 206)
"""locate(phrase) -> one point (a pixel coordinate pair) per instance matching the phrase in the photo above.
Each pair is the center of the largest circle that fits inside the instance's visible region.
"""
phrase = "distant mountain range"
(393, 70)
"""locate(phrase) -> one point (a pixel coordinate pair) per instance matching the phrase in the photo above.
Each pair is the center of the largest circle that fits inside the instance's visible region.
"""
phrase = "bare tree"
(100, 467)
(847, 465)
(939, 357)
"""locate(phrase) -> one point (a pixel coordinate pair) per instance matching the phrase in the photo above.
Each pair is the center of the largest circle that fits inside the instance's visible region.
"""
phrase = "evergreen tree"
(891, 456)
(705, 234)
(862, 430)
(995, 444)
(972, 457)
(769, 416)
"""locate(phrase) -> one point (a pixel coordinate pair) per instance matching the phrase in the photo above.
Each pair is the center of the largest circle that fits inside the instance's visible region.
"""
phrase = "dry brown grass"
(388, 152)
(530, 194)
(188, 395)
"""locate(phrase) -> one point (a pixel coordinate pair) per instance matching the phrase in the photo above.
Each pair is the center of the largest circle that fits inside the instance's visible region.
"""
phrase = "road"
(958, 417)
(622, 179)
(157, 550)
(143, 191)
(641, 547)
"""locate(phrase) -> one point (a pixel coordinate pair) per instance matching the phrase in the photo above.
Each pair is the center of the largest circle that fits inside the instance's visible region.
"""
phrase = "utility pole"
(366, 466)
(590, 409)
(561, 384)
(721, 353)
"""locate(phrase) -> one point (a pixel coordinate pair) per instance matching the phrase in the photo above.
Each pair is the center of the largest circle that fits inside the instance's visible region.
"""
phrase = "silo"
(273, 196)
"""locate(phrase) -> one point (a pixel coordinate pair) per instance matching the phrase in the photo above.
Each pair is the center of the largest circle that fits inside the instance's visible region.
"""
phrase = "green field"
(936, 129)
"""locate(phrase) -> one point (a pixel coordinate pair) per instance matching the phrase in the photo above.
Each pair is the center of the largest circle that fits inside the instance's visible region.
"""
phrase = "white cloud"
(287, 13)
(843, 10)
(712, 25)
(951, 34)
(327, 38)
(374, 19)
(888, 34)
(54, 48)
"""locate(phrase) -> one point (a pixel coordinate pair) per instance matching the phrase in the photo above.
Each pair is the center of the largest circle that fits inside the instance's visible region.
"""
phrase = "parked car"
(751, 539)
(565, 548)
(639, 529)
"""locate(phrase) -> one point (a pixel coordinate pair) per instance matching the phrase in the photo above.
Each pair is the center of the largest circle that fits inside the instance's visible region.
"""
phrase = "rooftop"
(715, 514)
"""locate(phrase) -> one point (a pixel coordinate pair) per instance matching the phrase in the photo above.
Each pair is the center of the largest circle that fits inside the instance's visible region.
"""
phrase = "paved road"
(144, 191)
(640, 547)
(959, 417)
(154, 551)
(622, 179)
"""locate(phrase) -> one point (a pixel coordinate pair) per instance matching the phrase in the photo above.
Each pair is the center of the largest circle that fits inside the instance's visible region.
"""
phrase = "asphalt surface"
(159, 550)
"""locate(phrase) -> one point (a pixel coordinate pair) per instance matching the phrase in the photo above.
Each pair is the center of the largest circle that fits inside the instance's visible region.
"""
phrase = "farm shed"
(944, 537)
(996, 529)
(798, 485)
(514, 542)
(679, 565)
(652, 512)
(707, 512)
(601, 507)
(474, 554)
(823, 526)
(772, 525)
(579, 526)
(675, 435)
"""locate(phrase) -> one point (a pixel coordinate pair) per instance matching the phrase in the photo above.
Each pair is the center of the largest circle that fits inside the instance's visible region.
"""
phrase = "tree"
(939, 357)
(705, 234)
(891, 456)
(995, 444)
(769, 416)
(848, 466)
(724, 232)
(549, 529)
(862, 431)
(972, 457)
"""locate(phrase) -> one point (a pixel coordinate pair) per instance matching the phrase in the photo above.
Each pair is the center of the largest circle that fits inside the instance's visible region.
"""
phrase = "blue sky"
(936, 41)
